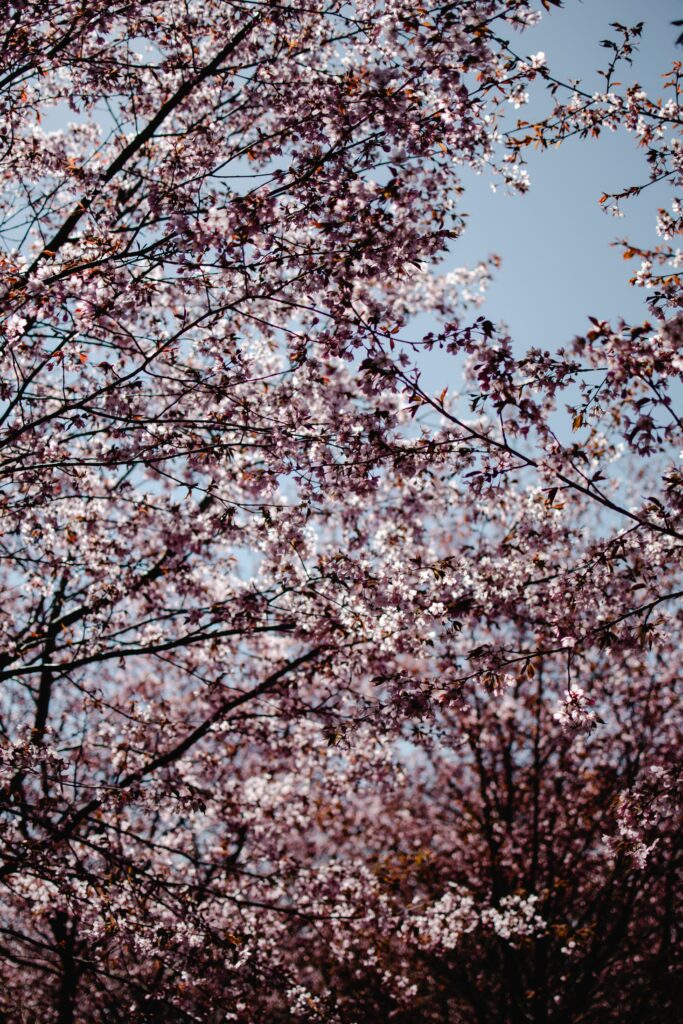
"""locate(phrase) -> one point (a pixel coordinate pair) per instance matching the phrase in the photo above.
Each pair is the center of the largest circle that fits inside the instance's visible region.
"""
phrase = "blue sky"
(557, 263)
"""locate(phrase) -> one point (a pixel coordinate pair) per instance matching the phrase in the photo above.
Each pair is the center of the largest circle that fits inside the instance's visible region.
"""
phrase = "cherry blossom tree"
(325, 697)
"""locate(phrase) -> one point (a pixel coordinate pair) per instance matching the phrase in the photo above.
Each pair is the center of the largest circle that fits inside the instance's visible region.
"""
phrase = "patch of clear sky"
(558, 265)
